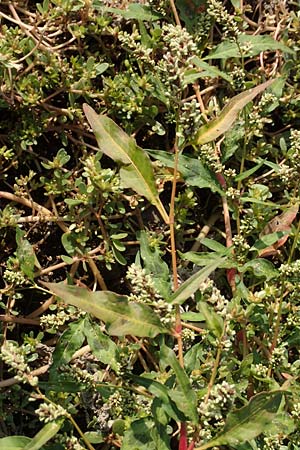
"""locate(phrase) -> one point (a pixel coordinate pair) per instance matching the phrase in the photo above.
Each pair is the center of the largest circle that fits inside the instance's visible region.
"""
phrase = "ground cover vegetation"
(150, 271)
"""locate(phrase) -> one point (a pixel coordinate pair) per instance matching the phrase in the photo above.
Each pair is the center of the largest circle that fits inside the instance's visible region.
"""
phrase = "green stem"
(215, 368)
(89, 446)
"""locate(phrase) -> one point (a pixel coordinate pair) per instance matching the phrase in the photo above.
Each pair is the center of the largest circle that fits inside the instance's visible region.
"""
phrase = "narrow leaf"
(223, 122)
(136, 169)
(190, 286)
(121, 316)
(206, 258)
(44, 435)
(209, 70)
(213, 321)
(247, 173)
(187, 397)
(244, 424)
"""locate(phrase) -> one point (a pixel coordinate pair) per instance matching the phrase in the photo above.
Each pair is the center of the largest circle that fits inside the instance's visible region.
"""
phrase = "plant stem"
(176, 16)
(89, 446)
(216, 365)
(279, 311)
(178, 326)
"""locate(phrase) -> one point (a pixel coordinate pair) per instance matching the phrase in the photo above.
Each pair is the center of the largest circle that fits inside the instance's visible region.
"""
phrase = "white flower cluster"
(221, 15)
(15, 357)
(214, 411)
(48, 412)
(144, 291)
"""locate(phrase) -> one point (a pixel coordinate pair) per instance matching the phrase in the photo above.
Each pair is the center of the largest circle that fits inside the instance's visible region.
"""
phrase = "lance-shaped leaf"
(260, 415)
(185, 397)
(223, 122)
(121, 316)
(190, 286)
(136, 170)
(44, 435)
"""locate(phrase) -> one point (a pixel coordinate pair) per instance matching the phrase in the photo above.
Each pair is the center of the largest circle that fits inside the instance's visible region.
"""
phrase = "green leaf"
(136, 170)
(94, 437)
(192, 316)
(258, 416)
(25, 254)
(70, 341)
(192, 170)
(258, 202)
(143, 435)
(223, 122)
(121, 316)
(192, 284)
(154, 264)
(67, 259)
(136, 11)
(268, 239)
(261, 268)
(101, 345)
(247, 173)
(14, 442)
(206, 258)
(213, 321)
(44, 435)
(185, 397)
(258, 44)
(160, 392)
(215, 246)
(210, 71)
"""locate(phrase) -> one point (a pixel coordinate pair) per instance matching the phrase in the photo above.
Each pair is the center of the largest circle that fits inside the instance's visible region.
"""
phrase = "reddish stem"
(183, 445)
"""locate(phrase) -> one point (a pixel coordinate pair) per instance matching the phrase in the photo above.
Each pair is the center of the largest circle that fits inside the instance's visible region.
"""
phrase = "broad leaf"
(256, 44)
(223, 122)
(25, 254)
(44, 435)
(101, 345)
(191, 169)
(70, 341)
(184, 396)
(144, 435)
(190, 286)
(14, 442)
(261, 268)
(121, 316)
(260, 415)
(136, 170)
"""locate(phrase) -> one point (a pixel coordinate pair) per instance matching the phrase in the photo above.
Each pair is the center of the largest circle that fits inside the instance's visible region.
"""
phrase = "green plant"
(150, 291)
